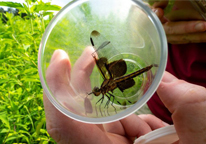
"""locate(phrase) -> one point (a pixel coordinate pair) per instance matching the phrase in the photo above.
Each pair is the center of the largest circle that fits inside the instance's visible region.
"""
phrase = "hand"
(182, 25)
(187, 103)
(66, 130)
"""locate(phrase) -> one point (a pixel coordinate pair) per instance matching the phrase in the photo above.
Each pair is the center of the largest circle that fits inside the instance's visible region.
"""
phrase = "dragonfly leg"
(129, 101)
(111, 95)
(101, 99)
(107, 104)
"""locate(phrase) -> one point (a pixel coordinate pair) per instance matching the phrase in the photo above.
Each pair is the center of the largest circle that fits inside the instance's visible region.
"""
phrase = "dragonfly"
(113, 73)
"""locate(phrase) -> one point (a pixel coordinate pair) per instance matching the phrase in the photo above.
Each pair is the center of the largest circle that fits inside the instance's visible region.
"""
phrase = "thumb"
(187, 103)
(174, 92)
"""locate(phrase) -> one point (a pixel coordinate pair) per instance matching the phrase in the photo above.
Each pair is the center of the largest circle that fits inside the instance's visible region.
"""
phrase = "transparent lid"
(165, 135)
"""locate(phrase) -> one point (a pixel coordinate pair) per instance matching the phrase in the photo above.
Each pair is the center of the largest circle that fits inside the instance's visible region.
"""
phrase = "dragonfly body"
(113, 73)
(111, 84)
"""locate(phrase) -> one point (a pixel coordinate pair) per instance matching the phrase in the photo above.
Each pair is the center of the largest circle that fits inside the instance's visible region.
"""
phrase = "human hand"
(187, 103)
(183, 24)
(66, 130)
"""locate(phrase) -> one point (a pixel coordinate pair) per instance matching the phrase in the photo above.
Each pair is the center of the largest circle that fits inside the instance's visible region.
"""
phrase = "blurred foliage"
(22, 117)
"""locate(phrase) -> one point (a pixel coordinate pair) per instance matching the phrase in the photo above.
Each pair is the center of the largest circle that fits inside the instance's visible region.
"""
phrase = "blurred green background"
(22, 117)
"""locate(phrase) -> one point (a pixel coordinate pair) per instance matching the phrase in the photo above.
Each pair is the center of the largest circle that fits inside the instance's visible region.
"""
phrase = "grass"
(22, 117)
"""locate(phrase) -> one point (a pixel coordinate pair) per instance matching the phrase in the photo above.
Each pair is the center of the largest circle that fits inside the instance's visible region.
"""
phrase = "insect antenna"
(89, 93)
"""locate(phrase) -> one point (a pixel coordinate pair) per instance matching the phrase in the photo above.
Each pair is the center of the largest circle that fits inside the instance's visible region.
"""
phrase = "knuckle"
(168, 28)
(55, 134)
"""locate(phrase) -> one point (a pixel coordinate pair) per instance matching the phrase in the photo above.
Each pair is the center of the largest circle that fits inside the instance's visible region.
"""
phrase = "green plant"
(22, 117)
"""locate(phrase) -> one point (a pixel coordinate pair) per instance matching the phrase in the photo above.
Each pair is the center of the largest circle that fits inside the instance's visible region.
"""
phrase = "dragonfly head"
(96, 91)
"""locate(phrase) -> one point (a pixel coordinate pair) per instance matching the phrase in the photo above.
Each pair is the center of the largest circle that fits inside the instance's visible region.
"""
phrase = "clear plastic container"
(165, 135)
(136, 36)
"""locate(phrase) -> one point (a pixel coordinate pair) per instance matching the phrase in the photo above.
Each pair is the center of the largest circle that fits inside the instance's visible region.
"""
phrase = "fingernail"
(155, 11)
(200, 27)
(165, 124)
(57, 55)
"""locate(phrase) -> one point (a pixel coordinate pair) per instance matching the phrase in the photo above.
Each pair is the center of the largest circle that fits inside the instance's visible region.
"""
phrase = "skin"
(66, 130)
(186, 102)
(182, 25)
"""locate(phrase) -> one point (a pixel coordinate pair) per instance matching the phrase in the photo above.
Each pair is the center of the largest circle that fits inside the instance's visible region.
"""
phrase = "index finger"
(184, 27)
(82, 70)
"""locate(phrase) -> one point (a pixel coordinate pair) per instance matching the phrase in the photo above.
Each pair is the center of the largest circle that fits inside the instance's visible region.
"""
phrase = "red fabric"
(186, 62)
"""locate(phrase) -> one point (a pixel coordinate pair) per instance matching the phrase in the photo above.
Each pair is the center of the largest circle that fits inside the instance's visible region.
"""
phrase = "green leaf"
(26, 8)
(4, 119)
(169, 7)
(2, 81)
(47, 13)
(30, 71)
(31, 79)
(45, 7)
(39, 126)
(14, 137)
(4, 131)
(11, 4)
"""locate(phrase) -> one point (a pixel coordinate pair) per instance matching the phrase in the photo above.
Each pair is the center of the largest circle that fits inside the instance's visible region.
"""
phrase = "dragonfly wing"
(101, 64)
(109, 66)
(103, 47)
(126, 84)
(117, 68)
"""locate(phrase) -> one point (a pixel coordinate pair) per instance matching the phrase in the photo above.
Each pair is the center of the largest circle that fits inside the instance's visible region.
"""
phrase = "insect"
(113, 73)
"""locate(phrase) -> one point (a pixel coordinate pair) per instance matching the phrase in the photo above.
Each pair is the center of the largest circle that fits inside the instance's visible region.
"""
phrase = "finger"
(59, 126)
(174, 92)
(131, 126)
(58, 75)
(115, 127)
(116, 132)
(66, 130)
(153, 121)
(134, 126)
(80, 77)
(184, 27)
(168, 90)
(59, 69)
(160, 13)
(187, 38)
(187, 103)
(58, 81)
(183, 15)
(160, 4)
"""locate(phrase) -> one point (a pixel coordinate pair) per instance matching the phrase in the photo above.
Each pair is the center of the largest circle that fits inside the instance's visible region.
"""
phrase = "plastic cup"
(136, 36)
